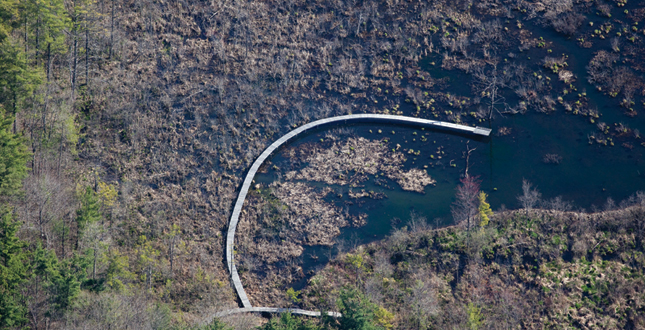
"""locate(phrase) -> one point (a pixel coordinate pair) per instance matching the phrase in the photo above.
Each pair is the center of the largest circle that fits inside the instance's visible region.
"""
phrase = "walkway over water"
(359, 118)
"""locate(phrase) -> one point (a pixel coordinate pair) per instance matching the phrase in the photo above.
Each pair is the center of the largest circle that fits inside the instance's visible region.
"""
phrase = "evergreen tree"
(289, 322)
(13, 272)
(45, 22)
(89, 211)
(13, 157)
(66, 285)
(8, 18)
(61, 279)
(217, 325)
(357, 312)
(18, 80)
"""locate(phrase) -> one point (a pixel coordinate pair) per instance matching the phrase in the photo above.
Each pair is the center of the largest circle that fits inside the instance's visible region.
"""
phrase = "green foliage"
(357, 312)
(117, 270)
(163, 316)
(89, 211)
(355, 260)
(46, 22)
(18, 80)
(475, 318)
(40, 270)
(215, 325)
(8, 18)
(289, 322)
(13, 156)
(147, 260)
(66, 284)
(292, 295)
(62, 279)
(12, 273)
(72, 133)
(484, 209)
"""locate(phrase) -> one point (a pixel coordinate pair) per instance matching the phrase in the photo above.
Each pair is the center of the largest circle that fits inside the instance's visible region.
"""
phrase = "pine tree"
(288, 322)
(13, 273)
(8, 18)
(61, 279)
(45, 22)
(13, 158)
(18, 80)
(89, 211)
(66, 285)
(357, 312)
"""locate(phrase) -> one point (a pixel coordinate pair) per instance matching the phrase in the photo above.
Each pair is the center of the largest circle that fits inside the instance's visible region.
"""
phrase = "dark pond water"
(587, 176)
(394, 211)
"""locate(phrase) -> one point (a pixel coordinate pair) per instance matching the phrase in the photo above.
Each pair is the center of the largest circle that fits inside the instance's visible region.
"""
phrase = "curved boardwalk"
(359, 118)
(273, 310)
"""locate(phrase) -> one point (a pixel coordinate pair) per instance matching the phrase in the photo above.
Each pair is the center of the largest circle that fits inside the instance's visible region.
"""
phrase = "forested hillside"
(126, 127)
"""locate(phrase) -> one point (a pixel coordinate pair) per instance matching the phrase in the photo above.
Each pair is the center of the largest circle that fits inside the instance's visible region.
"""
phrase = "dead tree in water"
(530, 197)
(467, 156)
(487, 85)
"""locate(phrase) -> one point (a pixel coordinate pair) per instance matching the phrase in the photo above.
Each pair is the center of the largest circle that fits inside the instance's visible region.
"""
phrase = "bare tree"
(466, 154)
(96, 238)
(558, 204)
(465, 208)
(48, 199)
(418, 223)
(487, 85)
(637, 214)
(530, 197)
(173, 238)
(423, 303)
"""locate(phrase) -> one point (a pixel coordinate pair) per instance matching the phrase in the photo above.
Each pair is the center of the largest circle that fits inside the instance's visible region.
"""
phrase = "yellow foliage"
(107, 193)
(384, 318)
(292, 295)
(484, 209)
(355, 259)
(72, 128)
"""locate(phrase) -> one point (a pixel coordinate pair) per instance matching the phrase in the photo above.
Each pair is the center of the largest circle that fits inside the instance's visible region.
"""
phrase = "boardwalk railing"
(359, 118)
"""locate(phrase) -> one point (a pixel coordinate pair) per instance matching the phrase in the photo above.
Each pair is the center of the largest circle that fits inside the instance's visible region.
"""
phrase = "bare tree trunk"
(26, 38)
(38, 37)
(45, 106)
(111, 32)
(467, 155)
(15, 111)
(62, 240)
(94, 263)
(171, 254)
(60, 149)
(493, 97)
(87, 54)
(74, 64)
(49, 61)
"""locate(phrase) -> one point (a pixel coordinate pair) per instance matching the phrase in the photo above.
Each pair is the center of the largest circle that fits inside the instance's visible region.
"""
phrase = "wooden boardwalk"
(359, 118)
(273, 310)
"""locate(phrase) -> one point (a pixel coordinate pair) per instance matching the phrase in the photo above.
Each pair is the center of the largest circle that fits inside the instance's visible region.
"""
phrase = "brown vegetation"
(527, 270)
(362, 157)
(163, 105)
